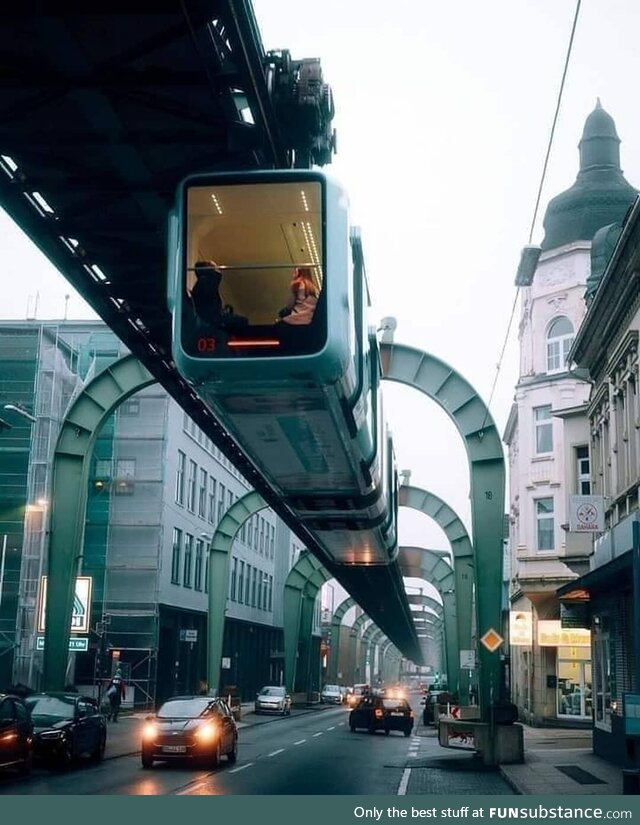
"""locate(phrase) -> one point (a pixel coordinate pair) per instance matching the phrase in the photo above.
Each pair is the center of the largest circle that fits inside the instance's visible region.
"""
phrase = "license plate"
(174, 749)
(397, 714)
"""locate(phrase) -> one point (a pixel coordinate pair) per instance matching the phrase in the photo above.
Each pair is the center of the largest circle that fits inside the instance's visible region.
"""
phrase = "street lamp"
(20, 410)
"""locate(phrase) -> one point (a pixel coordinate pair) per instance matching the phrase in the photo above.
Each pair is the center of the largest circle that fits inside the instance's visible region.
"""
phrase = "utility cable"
(538, 197)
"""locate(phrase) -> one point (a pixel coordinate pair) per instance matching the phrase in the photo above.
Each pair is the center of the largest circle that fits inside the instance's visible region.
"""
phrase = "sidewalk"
(125, 735)
(561, 761)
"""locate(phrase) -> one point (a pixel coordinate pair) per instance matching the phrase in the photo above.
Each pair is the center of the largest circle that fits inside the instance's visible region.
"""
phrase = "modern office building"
(158, 488)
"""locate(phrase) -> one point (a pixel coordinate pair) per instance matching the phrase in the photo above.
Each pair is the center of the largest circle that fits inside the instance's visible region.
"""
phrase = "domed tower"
(600, 195)
(548, 430)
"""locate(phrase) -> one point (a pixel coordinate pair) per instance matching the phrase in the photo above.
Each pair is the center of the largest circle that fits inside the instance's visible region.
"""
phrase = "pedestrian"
(115, 694)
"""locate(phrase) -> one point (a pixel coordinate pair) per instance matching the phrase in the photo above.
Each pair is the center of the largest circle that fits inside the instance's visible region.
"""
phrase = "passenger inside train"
(258, 249)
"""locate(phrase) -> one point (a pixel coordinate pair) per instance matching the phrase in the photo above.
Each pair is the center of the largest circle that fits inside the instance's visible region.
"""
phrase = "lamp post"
(42, 506)
(20, 410)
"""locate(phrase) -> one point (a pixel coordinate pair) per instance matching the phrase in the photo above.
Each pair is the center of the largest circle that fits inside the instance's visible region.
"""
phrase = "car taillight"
(378, 713)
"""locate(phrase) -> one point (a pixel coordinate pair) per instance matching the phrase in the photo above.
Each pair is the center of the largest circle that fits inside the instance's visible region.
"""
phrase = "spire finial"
(598, 104)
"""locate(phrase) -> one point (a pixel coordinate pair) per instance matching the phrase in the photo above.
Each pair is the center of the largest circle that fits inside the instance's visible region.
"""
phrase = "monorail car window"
(254, 269)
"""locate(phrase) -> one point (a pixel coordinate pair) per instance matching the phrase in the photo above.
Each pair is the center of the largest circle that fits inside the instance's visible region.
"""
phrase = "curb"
(511, 782)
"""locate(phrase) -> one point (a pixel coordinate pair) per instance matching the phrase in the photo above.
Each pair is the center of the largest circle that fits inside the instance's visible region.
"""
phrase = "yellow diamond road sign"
(492, 640)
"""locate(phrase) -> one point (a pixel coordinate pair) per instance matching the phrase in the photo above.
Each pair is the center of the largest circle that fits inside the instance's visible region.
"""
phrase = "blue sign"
(631, 713)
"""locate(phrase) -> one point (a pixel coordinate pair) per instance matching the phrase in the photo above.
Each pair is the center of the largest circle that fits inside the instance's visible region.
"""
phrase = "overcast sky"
(443, 115)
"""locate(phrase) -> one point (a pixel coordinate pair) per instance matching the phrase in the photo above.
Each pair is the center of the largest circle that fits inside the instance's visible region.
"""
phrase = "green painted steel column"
(303, 675)
(463, 566)
(461, 402)
(336, 629)
(71, 462)
(434, 567)
(219, 559)
(306, 575)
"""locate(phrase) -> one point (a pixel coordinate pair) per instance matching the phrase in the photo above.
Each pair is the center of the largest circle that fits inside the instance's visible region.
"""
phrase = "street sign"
(520, 628)
(492, 640)
(586, 514)
(468, 659)
(225, 663)
(77, 643)
(80, 616)
(188, 635)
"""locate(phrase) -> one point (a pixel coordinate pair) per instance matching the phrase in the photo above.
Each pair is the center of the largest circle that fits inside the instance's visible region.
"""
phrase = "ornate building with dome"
(548, 431)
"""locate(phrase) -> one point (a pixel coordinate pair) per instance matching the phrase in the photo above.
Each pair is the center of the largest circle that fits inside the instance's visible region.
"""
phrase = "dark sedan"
(200, 728)
(380, 713)
(66, 726)
(16, 734)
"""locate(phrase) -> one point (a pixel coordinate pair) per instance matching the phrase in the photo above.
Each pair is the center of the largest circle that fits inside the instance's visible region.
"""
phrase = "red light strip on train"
(257, 343)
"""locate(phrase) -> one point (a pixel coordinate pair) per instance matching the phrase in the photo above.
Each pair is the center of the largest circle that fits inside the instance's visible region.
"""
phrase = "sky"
(443, 112)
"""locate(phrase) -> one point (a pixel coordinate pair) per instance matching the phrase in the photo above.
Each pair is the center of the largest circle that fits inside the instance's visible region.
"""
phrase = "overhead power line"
(539, 194)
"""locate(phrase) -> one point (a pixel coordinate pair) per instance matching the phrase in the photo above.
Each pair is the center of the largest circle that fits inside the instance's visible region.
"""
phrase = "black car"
(190, 727)
(382, 713)
(66, 726)
(16, 734)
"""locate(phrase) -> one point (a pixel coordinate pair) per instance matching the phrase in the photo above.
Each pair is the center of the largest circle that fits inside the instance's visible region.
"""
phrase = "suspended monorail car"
(269, 298)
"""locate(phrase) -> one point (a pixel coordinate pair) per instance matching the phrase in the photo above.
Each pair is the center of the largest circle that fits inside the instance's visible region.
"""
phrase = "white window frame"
(545, 517)
(180, 474)
(539, 424)
(560, 344)
(583, 470)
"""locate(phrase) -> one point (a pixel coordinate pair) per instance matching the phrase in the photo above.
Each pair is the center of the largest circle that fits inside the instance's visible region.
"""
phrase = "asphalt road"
(313, 753)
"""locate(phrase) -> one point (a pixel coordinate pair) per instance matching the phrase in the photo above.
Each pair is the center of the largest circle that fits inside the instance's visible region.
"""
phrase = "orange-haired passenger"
(303, 301)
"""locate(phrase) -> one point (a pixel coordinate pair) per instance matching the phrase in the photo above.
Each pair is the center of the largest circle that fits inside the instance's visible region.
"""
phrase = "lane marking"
(275, 753)
(241, 768)
(300, 741)
(333, 727)
(318, 734)
(191, 789)
(404, 782)
(342, 723)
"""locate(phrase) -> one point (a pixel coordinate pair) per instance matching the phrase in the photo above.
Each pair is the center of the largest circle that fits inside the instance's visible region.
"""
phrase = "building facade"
(158, 488)
(607, 346)
(548, 438)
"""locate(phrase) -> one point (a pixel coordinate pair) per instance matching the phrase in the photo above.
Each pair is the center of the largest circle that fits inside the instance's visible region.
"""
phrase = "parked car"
(431, 702)
(331, 694)
(378, 713)
(358, 692)
(66, 726)
(16, 734)
(273, 699)
(200, 728)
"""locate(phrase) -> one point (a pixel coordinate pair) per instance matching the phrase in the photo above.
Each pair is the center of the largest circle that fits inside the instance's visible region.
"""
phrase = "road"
(314, 753)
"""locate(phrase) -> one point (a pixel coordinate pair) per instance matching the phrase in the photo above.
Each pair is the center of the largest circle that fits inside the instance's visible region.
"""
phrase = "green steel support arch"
(354, 646)
(433, 566)
(461, 402)
(367, 648)
(463, 565)
(301, 587)
(219, 555)
(336, 627)
(71, 463)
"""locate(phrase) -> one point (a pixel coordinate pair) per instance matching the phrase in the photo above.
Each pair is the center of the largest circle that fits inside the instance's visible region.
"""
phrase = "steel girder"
(463, 565)
(219, 555)
(434, 567)
(71, 462)
(469, 413)
(336, 626)
(301, 588)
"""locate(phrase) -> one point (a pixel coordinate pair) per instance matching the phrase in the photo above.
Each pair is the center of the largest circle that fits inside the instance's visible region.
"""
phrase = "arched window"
(559, 340)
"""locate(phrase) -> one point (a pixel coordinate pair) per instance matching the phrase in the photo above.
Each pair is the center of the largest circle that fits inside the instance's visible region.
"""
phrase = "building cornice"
(618, 290)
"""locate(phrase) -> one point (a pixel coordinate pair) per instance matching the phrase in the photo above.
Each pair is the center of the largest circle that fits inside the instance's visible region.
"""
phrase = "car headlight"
(207, 733)
(149, 731)
(52, 734)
